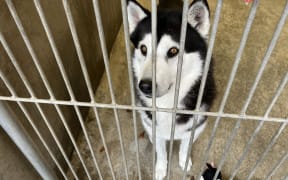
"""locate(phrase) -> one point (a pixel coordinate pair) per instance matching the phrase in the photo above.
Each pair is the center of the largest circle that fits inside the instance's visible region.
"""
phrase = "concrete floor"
(13, 164)
(232, 22)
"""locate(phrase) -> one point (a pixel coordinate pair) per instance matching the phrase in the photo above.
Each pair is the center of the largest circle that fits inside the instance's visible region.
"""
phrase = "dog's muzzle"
(145, 86)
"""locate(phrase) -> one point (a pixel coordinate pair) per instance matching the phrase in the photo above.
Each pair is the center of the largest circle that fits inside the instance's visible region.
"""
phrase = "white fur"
(199, 9)
(165, 76)
(135, 15)
(166, 70)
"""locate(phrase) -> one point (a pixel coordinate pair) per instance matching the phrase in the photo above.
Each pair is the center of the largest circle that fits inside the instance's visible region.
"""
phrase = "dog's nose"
(145, 86)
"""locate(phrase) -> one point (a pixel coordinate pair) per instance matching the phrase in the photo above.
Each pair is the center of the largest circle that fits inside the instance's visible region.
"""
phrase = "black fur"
(210, 172)
(148, 113)
(204, 1)
(172, 27)
(190, 99)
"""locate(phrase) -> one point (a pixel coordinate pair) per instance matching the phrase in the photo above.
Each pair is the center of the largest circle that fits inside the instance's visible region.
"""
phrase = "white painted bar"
(22, 140)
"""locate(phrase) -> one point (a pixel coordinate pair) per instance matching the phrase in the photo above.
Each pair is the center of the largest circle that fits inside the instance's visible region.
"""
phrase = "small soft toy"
(209, 173)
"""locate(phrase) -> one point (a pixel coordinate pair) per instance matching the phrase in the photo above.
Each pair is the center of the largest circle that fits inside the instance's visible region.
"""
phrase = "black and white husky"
(168, 36)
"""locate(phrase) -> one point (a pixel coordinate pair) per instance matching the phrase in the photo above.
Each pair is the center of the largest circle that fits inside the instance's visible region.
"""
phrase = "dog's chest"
(164, 125)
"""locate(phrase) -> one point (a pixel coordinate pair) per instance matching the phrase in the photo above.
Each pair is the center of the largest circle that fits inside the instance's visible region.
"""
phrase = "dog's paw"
(182, 162)
(161, 170)
(160, 173)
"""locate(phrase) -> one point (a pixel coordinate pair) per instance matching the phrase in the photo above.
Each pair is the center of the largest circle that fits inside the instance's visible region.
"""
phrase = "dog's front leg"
(161, 162)
(183, 154)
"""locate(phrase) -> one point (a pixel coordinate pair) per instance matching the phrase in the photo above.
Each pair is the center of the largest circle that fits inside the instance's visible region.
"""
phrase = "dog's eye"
(143, 49)
(172, 52)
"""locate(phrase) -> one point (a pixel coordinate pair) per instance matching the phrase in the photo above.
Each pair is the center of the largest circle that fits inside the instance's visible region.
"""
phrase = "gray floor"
(13, 165)
(230, 29)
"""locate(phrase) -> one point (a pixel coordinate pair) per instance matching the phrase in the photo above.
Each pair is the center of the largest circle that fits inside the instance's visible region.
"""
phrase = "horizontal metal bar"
(28, 117)
(80, 54)
(77, 45)
(267, 55)
(47, 123)
(56, 139)
(66, 80)
(178, 79)
(29, 46)
(16, 65)
(208, 59)
(54, 48)
(265, 60)
(259, 126)
(47, 147)
(154, 56)
(104, 50)
(24, 142)
(70, 91)
(209, 52)
(230, 81)
(42, 75)
(131, 80)
(127, 107)
(108, 74)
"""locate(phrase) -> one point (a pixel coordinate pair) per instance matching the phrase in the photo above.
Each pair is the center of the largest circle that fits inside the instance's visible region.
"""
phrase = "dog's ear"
(198, 17)
(135, 14)
(209, 166)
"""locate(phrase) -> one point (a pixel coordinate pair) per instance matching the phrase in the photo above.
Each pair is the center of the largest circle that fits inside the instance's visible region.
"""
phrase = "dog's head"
(168, 37)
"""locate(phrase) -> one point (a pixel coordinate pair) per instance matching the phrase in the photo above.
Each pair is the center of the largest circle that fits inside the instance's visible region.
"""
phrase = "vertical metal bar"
(86, 76)
(269, 51)
(16, 65)
(104, 48)
(24, 142)
(39, 69)
(260, 124)
(206, 70)
(131, 81)
(178, 79)
(229, 84)
(108, 73)
(204, 78)
(53, 47)
(62, 70)
(28, 117)
(274, 139)
(277, 165)
(56, 139)
(70, 91)
(154, 56)
(104, 142)
(28, 44)
(77, 45)
(34, 57)
(209, 52)
(254, 86)
(32, 94)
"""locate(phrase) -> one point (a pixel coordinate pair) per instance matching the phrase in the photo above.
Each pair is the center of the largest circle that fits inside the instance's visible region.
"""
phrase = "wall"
(85, 22)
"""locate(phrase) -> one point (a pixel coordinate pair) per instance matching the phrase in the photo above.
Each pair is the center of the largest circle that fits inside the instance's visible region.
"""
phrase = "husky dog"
(168, 37)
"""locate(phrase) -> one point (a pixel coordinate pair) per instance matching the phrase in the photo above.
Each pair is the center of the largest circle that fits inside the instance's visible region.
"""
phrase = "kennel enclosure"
(49, 97)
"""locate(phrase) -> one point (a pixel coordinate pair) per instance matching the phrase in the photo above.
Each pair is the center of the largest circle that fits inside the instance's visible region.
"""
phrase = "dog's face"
(167, 52)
